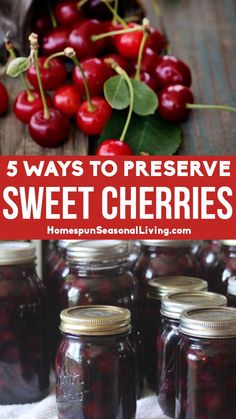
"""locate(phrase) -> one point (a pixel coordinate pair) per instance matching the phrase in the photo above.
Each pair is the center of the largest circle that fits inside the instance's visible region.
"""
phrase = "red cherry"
(128, 44)
(80, 39)
(67, 100)
(96, 9)
(42, 24)
(172, 103)
(55, 40)
(170, 70)
(92, 123)
(121, 61)
(114, 147)
(25, 109)
(156, 41)
(148, 80)
(49, 132)
(4, 99)
(67, 13)
(96, 73)
(52, 77)
(149, 61)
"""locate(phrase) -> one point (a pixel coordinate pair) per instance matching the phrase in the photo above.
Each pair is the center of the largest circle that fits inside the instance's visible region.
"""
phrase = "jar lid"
(232, 285)
(209, 322)
(95, 320)
(228, 242)
(159, 287)
(98, 250)
(173, 305)
(63, 244)
(15, 252)
(167, 243)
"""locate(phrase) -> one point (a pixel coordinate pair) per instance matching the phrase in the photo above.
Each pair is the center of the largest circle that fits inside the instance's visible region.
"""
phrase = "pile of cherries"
(78, 23)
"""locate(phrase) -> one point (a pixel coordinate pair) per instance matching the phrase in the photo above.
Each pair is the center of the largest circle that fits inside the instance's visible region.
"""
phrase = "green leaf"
(18, 66)
(150, 134)
(117, 92)
(145, 99)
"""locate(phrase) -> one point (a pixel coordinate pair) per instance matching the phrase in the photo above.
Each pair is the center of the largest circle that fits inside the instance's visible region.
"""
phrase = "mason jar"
(134, 252)
(24, 349)
(168, 338)
(224, 267)
(99, 274)
(231, 291)
(206, 364)
(208, 257)
(157, 289)
(95, 364)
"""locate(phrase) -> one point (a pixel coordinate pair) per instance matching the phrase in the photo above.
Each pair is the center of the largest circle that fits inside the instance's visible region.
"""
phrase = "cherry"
(49, 132)
(96, 9)
(42, 24)
(96, 72)
(128, 44)
(67, 99)
(24, 108)
(52, 77)
(80, 39)
(121, 61)
(170, 70)
(149, 80)
(67, 13)
(92, 122)
(156, 41)
(55, 40)
(149, 61)
(173, 101)
(114, 147)
(4, 99)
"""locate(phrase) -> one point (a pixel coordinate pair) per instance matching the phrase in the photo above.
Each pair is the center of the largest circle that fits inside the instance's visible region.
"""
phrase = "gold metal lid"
(63, 244)
(232, 285)
(209, 322)
(95, 320)
(16, 252)
(167, 243)
(173, 305)
(228, 242)
(159, 287)
(98, 250)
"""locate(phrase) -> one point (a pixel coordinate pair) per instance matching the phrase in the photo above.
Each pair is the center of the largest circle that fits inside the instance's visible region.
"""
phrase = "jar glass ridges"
(206, 364)
(24, 360)
(95, 364)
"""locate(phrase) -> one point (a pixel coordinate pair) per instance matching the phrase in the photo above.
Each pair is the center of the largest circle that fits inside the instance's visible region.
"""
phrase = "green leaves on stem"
(18, 66)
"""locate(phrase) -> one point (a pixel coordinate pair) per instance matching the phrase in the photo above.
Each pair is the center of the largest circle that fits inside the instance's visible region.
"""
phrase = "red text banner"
(123, 198)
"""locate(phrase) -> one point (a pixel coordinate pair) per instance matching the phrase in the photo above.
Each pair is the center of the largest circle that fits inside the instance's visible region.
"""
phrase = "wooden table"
(202, 33)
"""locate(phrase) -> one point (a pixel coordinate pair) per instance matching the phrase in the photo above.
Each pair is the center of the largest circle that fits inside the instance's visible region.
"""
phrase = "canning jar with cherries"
(157, 289)
(206, 364)
(224, 267)
(95, 364)
(231, 291)
(24, 349)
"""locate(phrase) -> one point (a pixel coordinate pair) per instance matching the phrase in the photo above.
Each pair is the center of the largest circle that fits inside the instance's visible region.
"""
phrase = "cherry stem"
(114, 11)
(157, 7)
(10, 48)
(81, 3)
(123, 73)
(146, 26)
(52, 16)
(70, 53)
(114, 33)
(55, 55)
(34, 46)
(210, 107)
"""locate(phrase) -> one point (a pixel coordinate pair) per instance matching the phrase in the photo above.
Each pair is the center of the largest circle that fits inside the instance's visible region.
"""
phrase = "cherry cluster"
(78, 92)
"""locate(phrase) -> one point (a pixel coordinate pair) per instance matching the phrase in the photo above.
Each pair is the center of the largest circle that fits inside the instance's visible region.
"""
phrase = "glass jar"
(95, 364)
(196, 247)
(134, 252)
(24, 351)
(157, 289)
(98, 274)
(56, 274)
(224, 268)
(168, 338)
(208, 256)
(231, 291)
(206, 364)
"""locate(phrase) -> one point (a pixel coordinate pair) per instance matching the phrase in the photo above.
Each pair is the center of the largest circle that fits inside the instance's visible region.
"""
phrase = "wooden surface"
(202, 33)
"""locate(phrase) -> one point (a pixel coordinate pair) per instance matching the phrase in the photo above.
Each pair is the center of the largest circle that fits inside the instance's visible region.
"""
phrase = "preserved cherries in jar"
(95, 364)
(206, 364)
(168, 338)
(157, 289)
(231, 291)
(24, 349)
(224, 267)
